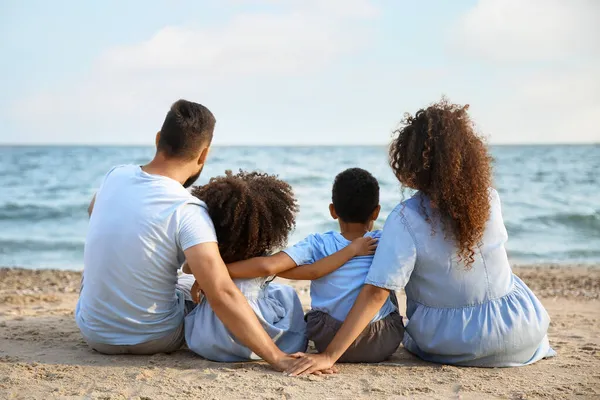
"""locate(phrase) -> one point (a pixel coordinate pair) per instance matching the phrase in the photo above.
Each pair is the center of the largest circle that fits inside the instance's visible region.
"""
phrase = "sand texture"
(42, 355)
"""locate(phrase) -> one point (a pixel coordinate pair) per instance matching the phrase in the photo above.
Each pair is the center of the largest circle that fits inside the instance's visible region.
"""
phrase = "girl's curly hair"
(252, 212)
(438, 152)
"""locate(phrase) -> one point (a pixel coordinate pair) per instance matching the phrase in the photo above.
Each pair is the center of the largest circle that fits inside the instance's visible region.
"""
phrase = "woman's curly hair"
(253, 213)
(438, 152)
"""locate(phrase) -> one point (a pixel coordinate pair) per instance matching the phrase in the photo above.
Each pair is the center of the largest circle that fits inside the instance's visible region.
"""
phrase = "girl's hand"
(185, 268)
(196, 293)
(364, 246)
(316, 364)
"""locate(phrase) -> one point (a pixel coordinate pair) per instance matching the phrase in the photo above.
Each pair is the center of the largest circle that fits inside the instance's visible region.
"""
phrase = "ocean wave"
(8, 246)
(579, 255)
(32, 212)
(589, 223)
(308, 180)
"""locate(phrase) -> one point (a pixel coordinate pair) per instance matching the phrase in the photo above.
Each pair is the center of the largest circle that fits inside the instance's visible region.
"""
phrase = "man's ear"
(203, 155)
(157, 139)
(375, 214)
(332, 211)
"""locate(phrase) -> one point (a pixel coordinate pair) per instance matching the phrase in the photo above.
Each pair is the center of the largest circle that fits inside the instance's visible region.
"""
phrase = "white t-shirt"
(140, 226)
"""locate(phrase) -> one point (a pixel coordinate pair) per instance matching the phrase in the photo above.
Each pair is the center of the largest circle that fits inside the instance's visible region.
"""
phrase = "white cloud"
(544, 56)
(530, 30)
(129, 83)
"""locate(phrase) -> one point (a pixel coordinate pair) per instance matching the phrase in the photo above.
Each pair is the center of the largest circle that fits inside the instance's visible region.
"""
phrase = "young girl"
(253, 214)
(445, 247)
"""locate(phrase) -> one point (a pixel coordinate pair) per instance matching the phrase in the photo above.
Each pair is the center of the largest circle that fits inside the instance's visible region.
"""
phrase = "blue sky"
(297, 71)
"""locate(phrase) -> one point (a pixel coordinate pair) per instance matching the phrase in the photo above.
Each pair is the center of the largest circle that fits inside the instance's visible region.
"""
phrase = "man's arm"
(363, 246)
(230, 305)
(91, 206)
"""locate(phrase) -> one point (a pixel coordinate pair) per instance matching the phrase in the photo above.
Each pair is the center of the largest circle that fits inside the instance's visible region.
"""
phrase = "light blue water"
(550, 195)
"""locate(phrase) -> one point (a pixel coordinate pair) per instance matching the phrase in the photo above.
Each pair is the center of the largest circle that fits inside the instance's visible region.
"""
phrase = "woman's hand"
(311, 364)
(364, 246)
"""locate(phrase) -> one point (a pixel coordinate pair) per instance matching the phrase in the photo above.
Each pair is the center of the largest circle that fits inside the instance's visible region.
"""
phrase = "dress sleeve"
(302, 252)
(396, 255)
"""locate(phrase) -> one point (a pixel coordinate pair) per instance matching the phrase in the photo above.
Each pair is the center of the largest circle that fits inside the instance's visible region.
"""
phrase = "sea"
(550, 195)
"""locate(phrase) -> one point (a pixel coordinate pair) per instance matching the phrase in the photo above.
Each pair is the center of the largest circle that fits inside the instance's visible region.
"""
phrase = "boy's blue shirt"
(336, 292)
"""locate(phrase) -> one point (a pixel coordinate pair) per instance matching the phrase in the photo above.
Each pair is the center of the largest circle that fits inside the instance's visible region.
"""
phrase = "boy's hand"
(364, 246)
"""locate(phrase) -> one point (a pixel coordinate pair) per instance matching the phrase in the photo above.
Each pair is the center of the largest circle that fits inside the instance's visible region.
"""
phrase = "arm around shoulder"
(363, 246)
(261, 266)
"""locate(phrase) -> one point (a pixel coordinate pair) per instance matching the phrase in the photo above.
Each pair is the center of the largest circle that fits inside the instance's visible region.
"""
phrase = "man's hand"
(364, 246)
(305, 364)
(286, 362)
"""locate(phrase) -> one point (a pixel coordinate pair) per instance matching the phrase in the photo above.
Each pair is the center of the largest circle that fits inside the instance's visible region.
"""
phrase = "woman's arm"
(363, 246)
(369, 301)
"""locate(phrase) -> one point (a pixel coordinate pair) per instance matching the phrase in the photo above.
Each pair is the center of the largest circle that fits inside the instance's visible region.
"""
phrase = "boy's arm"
(261, 266)
(359, 247)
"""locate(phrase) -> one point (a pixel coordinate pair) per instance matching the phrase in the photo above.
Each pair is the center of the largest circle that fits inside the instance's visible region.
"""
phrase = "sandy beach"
(43, 356)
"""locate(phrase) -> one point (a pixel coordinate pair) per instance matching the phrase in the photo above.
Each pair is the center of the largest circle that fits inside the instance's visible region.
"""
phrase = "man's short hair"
(355, 195)
(187, 127)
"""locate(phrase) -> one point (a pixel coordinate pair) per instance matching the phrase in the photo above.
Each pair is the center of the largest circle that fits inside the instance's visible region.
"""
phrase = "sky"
(297, 72)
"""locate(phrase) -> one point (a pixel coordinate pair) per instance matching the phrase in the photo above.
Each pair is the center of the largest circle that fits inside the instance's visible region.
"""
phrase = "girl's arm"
(257, 267)
(261, 266)
(363, 246)
(281, 264)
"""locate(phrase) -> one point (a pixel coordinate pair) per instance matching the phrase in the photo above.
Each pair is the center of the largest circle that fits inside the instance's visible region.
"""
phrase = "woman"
(445, 247)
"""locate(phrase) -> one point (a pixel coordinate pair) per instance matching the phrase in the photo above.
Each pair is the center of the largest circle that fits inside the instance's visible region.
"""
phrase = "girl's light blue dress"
(278, 309)
(484, 316)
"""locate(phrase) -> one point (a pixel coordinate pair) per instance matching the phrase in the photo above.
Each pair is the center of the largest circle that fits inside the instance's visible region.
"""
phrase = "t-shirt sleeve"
(302, 252)
(195, 227)
(396, 254)
(113, 171)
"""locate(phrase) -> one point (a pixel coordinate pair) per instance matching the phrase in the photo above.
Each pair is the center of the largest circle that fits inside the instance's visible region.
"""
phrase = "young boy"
(355, 204)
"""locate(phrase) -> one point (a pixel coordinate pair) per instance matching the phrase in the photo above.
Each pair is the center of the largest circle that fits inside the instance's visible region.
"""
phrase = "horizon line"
(41, 144)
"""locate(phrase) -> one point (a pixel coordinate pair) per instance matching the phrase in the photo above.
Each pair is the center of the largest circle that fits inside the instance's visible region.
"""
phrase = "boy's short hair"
(355, 195)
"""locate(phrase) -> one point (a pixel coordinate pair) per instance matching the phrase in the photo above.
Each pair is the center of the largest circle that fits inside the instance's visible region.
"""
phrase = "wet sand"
(43, 356)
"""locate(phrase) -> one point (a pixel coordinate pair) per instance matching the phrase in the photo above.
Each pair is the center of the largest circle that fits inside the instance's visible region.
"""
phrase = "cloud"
(128, 83)
(544, 58)
(530, 30)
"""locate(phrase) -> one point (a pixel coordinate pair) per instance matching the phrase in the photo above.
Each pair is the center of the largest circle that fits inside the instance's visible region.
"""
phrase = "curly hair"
(252, 212)
(439, 153)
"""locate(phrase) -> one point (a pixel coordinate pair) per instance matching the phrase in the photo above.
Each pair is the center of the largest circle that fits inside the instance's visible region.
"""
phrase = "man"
(143, 225)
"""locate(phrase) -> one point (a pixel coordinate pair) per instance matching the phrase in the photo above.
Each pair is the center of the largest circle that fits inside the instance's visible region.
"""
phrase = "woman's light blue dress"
(484, 316)
(278, 309)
